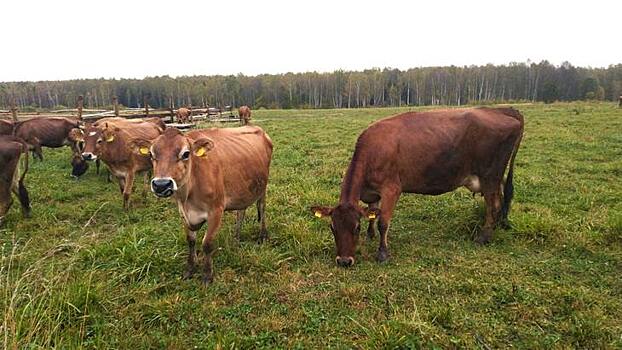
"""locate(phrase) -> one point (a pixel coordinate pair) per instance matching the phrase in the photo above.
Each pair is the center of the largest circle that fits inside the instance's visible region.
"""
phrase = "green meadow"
(83, 273)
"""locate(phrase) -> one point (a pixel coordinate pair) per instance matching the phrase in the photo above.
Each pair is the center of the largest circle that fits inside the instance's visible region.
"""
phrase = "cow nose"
(163, 187)
(345, 261)
(88, 156)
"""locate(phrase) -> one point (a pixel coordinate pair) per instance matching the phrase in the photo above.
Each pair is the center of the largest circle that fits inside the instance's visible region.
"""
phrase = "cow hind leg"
(214, 220)
(239, 221)
(493, 209)
(24, 199)
(261, 210)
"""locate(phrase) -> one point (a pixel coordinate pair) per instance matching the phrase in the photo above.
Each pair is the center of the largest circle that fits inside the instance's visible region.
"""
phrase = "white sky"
(63, 39)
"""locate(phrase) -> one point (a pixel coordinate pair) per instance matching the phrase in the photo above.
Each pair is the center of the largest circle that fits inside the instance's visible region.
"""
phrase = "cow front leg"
(191, 237)
(493, 208)
(389, 199)
(127, 190)
(371, 229)
(97, 163)
(214, 218)
(239, 221)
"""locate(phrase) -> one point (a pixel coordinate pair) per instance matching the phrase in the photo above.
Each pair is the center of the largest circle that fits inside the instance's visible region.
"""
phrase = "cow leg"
(97, 166)
(493, 208)
(37, 151)
(214, 218)
(5, 205)
(371, 230)
(21, 193)
(261, 210)
(239, 221)
(191, 237)
(389, 199)
(127, 190)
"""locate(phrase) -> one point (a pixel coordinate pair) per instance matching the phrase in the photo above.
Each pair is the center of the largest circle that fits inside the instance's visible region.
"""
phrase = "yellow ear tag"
(371, 215)
(200, 152)
(318, 214)
(144, 151)
(110, 138)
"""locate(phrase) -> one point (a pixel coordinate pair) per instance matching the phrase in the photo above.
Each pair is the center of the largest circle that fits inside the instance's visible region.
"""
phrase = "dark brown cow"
(13, 169)
(6, 127)
(46, 132)
(111, 143)
(184, 115)
(209, 172)
(245, 115)
(426, 153)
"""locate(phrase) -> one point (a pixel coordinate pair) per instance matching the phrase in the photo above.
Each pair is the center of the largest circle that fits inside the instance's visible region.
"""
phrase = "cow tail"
(508, 188)
(24, 198)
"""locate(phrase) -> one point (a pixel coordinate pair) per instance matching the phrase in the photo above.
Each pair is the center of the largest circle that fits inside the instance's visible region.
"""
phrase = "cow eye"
(185, 155)
(99, 140)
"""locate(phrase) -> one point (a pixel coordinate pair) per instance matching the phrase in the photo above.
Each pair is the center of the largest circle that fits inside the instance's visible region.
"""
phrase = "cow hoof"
(187, 275)
(382, 256)
(371, 234)
(483, 237)
(262, 238)
(207, 280)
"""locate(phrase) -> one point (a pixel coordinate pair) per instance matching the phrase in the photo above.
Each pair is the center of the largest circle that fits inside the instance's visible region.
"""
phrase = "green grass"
(84, 273)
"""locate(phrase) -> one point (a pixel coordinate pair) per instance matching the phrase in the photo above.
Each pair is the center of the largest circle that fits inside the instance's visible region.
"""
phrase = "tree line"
(451, 85)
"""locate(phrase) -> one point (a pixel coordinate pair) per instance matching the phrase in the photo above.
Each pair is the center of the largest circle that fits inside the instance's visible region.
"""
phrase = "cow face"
(93, 138)
(345, 226)
(171, 156)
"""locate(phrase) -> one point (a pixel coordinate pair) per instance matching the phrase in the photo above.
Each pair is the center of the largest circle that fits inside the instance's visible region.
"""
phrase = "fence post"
(115, 104)
(80, 106)
(13, 109)
(172, 109)
(620, 103)
(146, 103)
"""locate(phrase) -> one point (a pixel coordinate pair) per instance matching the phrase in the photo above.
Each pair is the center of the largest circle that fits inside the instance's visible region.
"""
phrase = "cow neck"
(116, 153)
(351, 187)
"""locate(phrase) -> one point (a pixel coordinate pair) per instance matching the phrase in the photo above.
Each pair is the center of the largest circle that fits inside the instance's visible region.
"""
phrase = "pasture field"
(84, 273)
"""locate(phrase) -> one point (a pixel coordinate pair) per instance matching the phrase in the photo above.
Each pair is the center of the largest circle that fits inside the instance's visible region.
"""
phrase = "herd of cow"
(210, 171)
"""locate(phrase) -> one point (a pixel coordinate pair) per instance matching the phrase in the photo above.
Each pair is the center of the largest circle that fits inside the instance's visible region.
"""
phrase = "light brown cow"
(13, 169)
(245, 115)
(427, 153)
(6, 127)
(111, 143)
(184, 115)
(209, 172)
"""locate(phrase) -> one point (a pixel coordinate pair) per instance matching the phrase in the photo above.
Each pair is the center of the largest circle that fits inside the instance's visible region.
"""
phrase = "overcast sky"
(61, 39)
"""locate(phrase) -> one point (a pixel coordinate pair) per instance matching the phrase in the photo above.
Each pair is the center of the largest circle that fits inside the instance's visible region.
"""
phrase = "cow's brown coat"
(13, 151)
(245, 115)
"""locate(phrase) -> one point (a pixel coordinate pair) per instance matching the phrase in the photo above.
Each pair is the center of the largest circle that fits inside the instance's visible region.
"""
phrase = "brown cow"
(111, 143)
(184, 115)
(13, 153)
(209, 172)
(245, 115)
(426, 153)
(6, 127)
(46, 132)
(123, 121)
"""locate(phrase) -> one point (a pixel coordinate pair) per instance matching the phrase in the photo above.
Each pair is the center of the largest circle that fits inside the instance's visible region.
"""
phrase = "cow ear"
(201, 146)
(141, 146)
(372, 213)
(108, 135)
(319, 211)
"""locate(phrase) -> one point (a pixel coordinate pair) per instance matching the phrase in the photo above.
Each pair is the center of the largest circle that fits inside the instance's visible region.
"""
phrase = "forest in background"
(451, 85)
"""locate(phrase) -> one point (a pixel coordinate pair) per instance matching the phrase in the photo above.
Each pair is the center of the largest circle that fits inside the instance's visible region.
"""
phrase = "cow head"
(95, 138)
(345, 224)
(171, 155)
(76, 137)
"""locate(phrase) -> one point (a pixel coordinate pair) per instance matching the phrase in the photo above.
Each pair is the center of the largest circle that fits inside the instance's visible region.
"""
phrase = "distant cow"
(184, 115)
(6, 127)
(427, 153)
(51, 132)
(245, 115)
(209, 172)
(13, 169)
(111, 143)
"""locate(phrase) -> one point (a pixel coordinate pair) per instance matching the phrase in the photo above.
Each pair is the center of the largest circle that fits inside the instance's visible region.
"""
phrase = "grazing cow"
(427, 153)
(6, 127)
(245, 115)
(111, 143)
(51, 132)
(13, 169)
(125, 122)
(209, 172)
(184, 115)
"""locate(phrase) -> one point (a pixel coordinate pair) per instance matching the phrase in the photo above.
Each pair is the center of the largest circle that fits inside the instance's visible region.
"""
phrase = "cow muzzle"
(88, 156)
(163, 186)
(344, 261)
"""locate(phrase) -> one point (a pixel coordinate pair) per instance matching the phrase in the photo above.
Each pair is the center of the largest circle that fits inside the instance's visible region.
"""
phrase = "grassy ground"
(84, 273)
